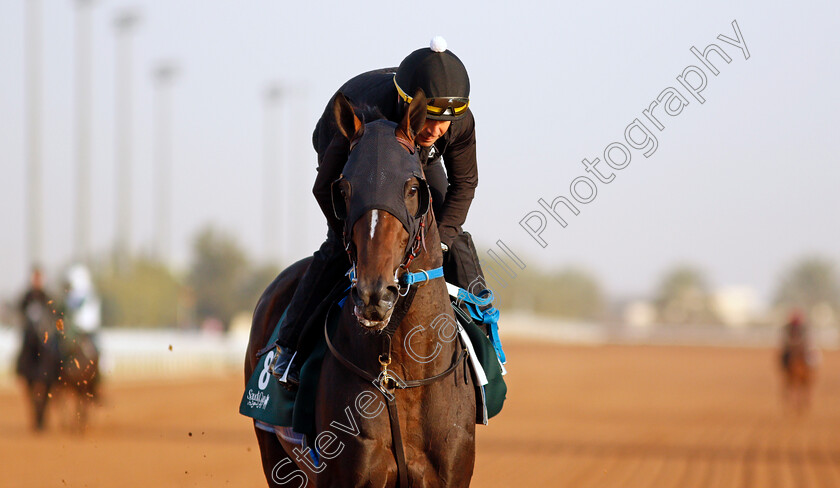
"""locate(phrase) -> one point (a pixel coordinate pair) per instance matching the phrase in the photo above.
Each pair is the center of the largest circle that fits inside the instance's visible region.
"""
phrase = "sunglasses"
(453, 106)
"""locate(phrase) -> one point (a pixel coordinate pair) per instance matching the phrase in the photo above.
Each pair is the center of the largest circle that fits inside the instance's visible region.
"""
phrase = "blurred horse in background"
(79, 378)
(798, 375)
(39, 362)
(79, 354)
(798, 365)
(39, 357)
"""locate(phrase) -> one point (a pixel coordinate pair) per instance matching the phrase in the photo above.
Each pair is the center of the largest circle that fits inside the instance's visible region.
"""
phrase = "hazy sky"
(741, 185)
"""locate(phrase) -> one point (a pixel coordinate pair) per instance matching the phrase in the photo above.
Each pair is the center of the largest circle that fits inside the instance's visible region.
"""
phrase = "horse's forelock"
(369, 113)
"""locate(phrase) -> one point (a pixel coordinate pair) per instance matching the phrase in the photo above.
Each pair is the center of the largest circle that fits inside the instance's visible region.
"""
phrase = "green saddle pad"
(265, 400)
(490, 398)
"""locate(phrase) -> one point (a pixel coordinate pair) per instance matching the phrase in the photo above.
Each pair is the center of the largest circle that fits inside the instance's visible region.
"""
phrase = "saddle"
(278, 410)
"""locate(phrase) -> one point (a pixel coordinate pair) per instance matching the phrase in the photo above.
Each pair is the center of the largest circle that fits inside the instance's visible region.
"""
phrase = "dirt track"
(575, 416)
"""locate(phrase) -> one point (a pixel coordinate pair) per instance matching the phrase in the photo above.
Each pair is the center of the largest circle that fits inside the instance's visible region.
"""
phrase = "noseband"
(416, 245)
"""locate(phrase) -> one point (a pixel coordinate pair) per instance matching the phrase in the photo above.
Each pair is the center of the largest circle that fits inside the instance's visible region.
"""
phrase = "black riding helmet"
(441, 76)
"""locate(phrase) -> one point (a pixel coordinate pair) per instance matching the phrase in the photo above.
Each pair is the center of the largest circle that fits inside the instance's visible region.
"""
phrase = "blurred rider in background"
(83, 314)
(39, 360)
(35, 309)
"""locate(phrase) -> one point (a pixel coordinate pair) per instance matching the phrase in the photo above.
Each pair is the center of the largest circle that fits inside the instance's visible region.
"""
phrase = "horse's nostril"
(357, 298)
(387, 298)
(374, 300)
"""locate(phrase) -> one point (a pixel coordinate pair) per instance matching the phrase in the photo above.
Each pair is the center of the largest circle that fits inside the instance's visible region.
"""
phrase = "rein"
(387, 382)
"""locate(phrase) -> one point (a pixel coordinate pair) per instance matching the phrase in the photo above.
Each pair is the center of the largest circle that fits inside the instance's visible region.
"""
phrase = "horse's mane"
(368, 113)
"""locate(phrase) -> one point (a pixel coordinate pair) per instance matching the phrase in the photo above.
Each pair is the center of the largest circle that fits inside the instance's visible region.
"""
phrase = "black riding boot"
(462, 268)
(329, 263)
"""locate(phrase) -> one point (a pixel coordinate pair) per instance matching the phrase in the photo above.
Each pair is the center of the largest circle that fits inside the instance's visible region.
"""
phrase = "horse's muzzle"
(374, 303)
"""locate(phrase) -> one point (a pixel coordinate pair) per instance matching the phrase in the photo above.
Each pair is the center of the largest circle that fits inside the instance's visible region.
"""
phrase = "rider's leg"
(461, 266)
(312, 322)
(313, 286)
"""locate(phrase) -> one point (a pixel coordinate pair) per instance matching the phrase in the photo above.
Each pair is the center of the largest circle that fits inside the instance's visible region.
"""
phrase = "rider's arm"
(331, 164)
(462, 172)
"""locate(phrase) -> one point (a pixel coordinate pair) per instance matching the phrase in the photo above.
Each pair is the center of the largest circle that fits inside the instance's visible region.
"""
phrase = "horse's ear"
(414, 118)
(348, 124)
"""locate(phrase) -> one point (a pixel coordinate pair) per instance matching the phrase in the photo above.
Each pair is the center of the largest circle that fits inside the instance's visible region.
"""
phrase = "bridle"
(387, 381)
(415, 246)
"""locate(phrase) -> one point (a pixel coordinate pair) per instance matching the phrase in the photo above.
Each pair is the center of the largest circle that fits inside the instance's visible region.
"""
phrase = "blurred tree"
(145, 295)
(255, 283)
(219, 284)
(683, 297)
(810, 283)
(570, 293)
(217, 276)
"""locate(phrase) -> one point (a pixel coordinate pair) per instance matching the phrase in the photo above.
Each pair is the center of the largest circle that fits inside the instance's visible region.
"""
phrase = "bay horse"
(395, 401)
(79, 377)
(798, 375)
(39, 361)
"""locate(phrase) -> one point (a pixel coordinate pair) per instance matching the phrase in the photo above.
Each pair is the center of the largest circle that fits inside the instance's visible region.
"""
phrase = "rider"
(39, 360)
(82, 301)
(447, 140)
(83, 311)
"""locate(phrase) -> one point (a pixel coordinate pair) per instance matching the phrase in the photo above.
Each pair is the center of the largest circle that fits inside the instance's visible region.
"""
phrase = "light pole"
(163, 75)
(271, 209)
(124, 23)
(34, 242)
(301, 155)
(83, 124)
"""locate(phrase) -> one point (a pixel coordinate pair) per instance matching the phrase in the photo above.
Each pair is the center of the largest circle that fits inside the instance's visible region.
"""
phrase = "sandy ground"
(607, 416)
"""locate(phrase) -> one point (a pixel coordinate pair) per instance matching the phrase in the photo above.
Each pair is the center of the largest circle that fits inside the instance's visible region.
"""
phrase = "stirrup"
(286, 373)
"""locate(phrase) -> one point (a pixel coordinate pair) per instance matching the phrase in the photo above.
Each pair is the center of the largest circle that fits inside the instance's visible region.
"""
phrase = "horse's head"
(383, 199)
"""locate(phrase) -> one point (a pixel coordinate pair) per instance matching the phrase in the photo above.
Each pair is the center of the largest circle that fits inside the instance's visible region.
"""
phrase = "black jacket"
(375, 89)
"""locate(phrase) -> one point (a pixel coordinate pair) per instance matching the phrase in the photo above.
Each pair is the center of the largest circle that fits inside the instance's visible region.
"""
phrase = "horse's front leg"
(353, 432)
(280, 470)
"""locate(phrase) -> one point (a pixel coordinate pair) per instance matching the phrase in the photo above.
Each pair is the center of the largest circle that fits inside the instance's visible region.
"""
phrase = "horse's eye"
(412, 191)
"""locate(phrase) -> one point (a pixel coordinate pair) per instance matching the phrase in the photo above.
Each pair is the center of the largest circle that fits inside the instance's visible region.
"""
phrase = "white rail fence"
(155, 353)
(144, 353)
